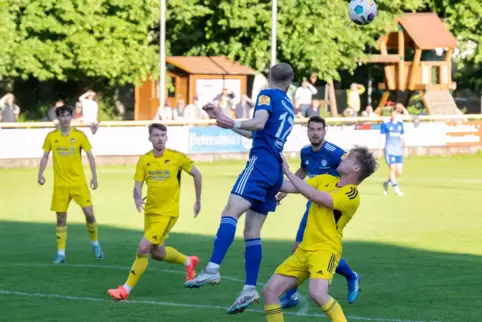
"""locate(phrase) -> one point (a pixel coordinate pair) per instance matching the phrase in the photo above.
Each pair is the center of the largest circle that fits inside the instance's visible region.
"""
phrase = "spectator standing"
(314, 110)
(77, 114)
(353, 98)
(303, 97)
(51, 116)
(225, 102)
(178, 110)
(164, 113)
(90, 110)
(9, 111)
(243, 108)
(194, 111)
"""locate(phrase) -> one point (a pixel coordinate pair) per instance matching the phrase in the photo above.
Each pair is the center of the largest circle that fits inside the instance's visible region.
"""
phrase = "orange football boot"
(118, 294)
(191, 269)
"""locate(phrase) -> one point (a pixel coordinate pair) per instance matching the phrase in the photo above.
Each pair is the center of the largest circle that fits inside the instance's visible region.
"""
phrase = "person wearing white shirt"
(90, 110)
(303, 97)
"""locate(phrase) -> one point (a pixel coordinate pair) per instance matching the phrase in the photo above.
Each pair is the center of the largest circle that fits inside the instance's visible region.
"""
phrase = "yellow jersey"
(324, 227)
(163, 178)
(67, 157)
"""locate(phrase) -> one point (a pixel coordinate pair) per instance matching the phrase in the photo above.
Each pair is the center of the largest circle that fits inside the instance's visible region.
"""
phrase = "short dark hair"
(317, 119)
(366, 160)
(158, 126)
(282, 74)
(64, 109)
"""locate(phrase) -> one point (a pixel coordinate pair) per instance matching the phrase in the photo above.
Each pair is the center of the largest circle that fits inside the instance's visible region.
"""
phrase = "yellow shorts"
(157, 227)
(64, 194)
(314, 264)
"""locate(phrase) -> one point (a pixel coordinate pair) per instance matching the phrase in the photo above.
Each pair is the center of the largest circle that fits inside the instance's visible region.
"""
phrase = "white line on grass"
(197, 306)
(303, 308)
(200, 306)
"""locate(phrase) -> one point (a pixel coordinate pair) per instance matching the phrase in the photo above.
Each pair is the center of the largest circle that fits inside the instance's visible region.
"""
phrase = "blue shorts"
(393, 159)
(259, 183)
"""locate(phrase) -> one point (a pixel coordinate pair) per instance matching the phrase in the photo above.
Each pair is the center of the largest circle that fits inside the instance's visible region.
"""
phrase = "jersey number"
(280, 134)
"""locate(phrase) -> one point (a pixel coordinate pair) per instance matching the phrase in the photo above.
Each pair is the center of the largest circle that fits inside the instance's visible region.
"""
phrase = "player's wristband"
(237, 124)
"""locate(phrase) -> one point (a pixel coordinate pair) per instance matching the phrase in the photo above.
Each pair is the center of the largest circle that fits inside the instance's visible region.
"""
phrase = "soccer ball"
(362, 12)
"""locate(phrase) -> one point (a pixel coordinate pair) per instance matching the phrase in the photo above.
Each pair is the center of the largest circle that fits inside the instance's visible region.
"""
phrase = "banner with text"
(129, 141)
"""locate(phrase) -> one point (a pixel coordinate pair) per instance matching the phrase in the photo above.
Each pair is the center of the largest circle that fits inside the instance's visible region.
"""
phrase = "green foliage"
(311, 34)
(463, 19)
(71, 39)
(118, 40)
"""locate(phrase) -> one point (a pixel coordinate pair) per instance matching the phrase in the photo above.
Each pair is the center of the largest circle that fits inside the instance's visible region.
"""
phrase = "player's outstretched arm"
(93, 169)
(198, 188)
(246, 134)
(321, 198)
(288, 187)
(300, 173)
(43, 164)
(257, 123)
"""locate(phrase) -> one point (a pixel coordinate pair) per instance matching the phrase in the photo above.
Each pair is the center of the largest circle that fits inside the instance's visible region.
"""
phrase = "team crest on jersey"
(72, 140)
(264, 100)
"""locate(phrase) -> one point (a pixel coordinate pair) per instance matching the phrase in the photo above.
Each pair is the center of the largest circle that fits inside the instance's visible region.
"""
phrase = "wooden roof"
(219, 65)
(426, 30)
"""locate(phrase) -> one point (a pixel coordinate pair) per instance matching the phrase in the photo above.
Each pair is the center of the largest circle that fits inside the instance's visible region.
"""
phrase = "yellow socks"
(273, 313)
(174, 257)
(334, 311)
(92, 230)
(137, 269)
(61, 235)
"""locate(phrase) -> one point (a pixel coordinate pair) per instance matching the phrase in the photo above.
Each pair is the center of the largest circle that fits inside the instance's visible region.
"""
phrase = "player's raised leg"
(277, 285)
(252, 261)
(157, 252)
(233, 210)
(319, 295)
(61, 236)
(93, 231)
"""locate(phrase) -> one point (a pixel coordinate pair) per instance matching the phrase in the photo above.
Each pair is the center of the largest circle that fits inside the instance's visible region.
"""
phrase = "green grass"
(420, 256)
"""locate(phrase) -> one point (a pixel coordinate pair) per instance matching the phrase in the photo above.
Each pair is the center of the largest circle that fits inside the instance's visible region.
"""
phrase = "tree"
(312, 34)
(463, 19)
(71, 39)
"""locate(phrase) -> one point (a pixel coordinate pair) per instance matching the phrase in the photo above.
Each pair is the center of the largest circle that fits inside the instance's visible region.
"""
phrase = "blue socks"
(253, 251)
(252, 260)
(291, 292)
(224, 239)
(345, 270)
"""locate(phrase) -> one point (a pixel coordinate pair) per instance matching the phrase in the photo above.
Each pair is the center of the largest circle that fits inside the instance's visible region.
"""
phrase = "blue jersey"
(393, 141)
(324, 161)
(262, 177)
(269, 142)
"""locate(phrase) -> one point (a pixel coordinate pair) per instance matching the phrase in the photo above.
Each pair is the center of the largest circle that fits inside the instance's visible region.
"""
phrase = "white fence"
(129, 138)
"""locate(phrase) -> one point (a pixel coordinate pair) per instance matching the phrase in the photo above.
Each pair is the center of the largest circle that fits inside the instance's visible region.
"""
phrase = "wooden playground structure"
(408, 71)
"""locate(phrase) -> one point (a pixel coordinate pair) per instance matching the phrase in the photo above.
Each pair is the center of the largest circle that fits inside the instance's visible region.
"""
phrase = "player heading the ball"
(255, 190)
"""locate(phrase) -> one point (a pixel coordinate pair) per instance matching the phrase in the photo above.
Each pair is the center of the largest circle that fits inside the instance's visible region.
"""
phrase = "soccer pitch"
(419, 256)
